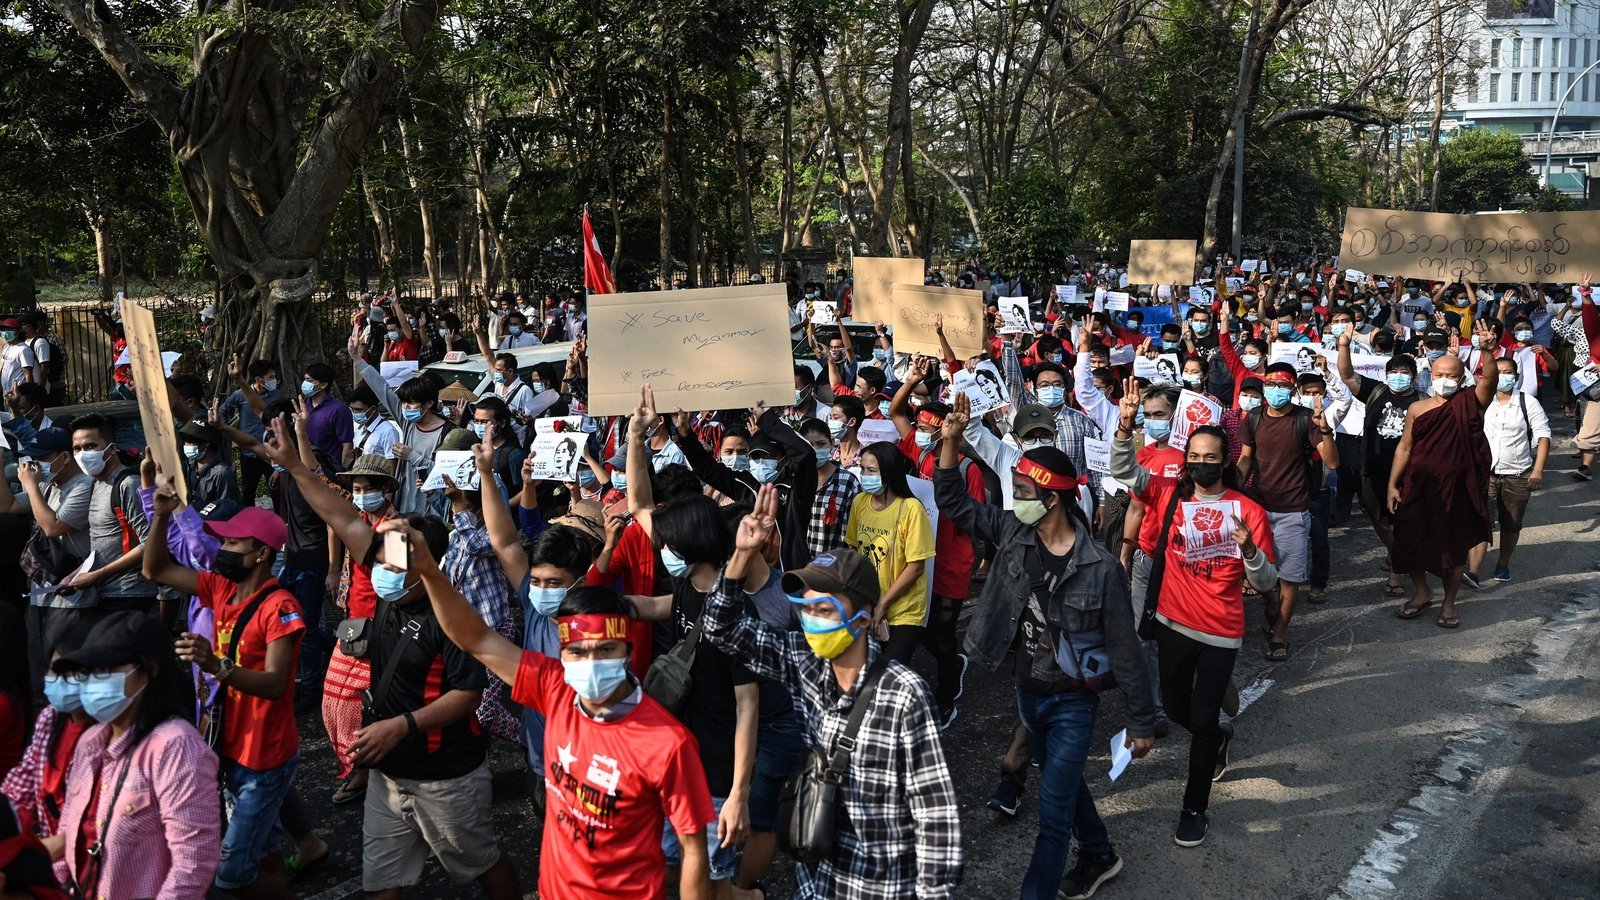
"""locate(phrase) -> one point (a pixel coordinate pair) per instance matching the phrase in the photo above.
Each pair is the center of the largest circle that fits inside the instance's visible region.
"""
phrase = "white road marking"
(1252, 692)
(339, 891)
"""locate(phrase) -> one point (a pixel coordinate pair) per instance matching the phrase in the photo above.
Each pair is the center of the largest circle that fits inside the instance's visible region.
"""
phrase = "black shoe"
(961, 677)
(1582, 474)
(1472, 579)
(1230, 700)
(1007, 797)
(1088, 875)
(1222, 751)
(1161, 728)
(1191, 829)
(947, 717)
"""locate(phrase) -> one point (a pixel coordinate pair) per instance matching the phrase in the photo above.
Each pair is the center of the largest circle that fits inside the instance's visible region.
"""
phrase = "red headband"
(931, 419)
(593, 627)
(1045, 478)
(1280, 378)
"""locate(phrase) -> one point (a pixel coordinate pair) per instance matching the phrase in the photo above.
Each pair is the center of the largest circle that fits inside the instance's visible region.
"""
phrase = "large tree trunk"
(665, 187)
(388, 253)
(913, 24)
(101, 226)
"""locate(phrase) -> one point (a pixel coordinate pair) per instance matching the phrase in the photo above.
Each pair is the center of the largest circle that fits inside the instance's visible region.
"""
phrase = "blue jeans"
(1061, 727)
(724, 860)
(780, 749)
(255, 797)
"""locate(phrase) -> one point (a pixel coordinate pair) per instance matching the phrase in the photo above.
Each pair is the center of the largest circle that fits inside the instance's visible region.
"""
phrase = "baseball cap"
(836, 572)
(1031, 416)
(1435, 336)
(220, 510)
(252, 522)
(10, 322)
(121, 637)
(47, 442)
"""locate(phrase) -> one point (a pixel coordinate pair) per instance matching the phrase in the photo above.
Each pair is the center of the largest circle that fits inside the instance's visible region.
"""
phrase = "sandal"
(1395, 590)
(296, 868)
(1277, 651)
(348, 793)
(1449, 622)
(1407, 611)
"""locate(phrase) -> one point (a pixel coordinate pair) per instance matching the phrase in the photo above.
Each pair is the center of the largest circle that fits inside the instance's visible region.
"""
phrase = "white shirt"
(377, 436)
(519, 397)
(41, 354)
(1511, 447)
(16, 358)
(525, 339)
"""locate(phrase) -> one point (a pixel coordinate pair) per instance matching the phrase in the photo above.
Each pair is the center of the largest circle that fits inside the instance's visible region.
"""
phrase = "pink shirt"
(165, 837)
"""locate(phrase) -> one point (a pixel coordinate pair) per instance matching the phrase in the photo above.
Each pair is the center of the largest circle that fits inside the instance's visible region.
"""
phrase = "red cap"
(10, 322)
(253, 522)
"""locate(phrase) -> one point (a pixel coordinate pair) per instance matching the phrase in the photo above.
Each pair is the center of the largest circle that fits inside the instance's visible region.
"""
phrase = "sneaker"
(1471, 578)
(1161, 728)
(1318, 595)
(1007, 798)
(1087, 876)
(1222, 752)
(1501, 573)
(947, 717)
(961, 677)
(1230, 699)
(1191, 829)
(1582, 474)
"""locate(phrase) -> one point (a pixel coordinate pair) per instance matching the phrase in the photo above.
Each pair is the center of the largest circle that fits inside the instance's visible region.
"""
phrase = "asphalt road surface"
(1385, 759)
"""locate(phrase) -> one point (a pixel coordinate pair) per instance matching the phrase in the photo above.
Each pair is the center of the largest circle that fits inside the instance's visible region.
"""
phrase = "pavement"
(1385, 759)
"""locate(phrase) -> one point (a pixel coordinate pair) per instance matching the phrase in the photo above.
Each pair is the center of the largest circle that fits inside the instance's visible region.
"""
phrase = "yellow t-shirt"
(891, 538)
(1464, 311)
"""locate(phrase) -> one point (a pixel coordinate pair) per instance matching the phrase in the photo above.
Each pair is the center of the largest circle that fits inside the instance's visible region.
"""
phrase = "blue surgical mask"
(1506, 383)
(1285, 327)
(394, 336)
(1249, 403)
(271, 384)
(1277, 397)
(738, 462)
(546, 600)
(676, 565)
(924, 440)
(594, 679)
(872, 484)
(586, 478)
(1252, 317)
(764, 470)
(505, 377)
(824, 455)
(1339, 328)
(537, 387)
(66, 696)
(1419, 324)
(1169, 345)
(880, 354)
(1250, 360)
(799, 396)
(411, 414)
(883, 408)
(1305, 307)
(514, 330)
(1138, 418)
(444, 332)
(1192, 379)
(363, 417)
(1055, 358)
(1157, 429)
(371, 501)
(192, 452)
(1399, 382)
(1052, 395)
(105, 696)
(836, 429)
(619, 480)
(480, 428)
(308, 388)
(1200, 327)
(1434, 354)
(387, 583)
(1523, 336)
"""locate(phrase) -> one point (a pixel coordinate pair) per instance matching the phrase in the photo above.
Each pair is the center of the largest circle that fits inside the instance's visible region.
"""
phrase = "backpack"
(1302, 434)
(56, 370)
(668, 680)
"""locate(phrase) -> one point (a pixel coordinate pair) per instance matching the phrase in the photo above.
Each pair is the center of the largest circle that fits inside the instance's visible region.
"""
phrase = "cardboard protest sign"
(1164, 369)
(150, 386)
(875, 278)
(1118, 300)
(1486, 247)
(1013, 314)
(824, 312)
(1066, 294)
(556, 455)
(917, 307)
(984, 388)
(1193, 410)
(457, 465)
(398, 372)
(709, 348)
(1161, 262)
(1208, 531)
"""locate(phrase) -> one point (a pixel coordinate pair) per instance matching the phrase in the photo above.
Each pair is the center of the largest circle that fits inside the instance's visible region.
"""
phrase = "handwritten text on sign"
(1486, 247)
(875, 278)
(917, 310)
(711, 348)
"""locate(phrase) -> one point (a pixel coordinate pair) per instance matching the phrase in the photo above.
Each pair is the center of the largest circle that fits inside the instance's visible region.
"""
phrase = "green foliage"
(1028, 226)
(1483, 170)
(1549, 199)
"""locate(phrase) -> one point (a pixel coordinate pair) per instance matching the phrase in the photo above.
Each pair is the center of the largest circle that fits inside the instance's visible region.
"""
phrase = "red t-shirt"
(633, 572)
(953, 555)
(609, 786)
(1202, 595)
(257, 733)
(13, 732)
(403, 349)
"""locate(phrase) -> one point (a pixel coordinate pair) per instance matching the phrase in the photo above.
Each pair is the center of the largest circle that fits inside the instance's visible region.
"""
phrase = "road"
(1385, 759)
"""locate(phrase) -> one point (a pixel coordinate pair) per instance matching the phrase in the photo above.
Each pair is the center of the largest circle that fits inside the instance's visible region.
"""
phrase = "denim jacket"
(1092, 597)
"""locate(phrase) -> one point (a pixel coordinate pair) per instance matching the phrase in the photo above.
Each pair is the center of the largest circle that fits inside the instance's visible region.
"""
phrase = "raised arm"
(763, 649)
(497, 516)
(951, 489)
(641, 496)
(332, 508)
(1347, 367)
(237, 371)
(159, 566)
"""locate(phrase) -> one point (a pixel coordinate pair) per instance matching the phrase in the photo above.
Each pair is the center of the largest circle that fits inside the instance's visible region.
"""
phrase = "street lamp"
(1550, 142)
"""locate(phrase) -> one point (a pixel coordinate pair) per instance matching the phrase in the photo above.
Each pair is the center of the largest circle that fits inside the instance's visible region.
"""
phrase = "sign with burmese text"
(709, 348)
(1486, 247)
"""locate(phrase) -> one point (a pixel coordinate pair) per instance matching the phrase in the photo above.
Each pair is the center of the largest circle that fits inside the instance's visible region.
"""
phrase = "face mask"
(924, 440)
(411, 414)
(594, 679)
(1305, 307)
(394, 336)
(826, 638)
(1434, 354)
(371, 501)
(105, 696)
(586, 478)
(764, 470)
(271, 384)
(1339, 328)
(308, 388)
(1138, 418)
(388, 584)
(1285, 327)
(836, 428)
(363, 417)
(883, 408)
(92, 462)
(872, 484)
(1200, 327)
(1308, 401)
(504, 377)
(677, 567)
(537, 387)
(1169, 345)
(1037, 443)
(46, 471)
(1204, 474)
(1029, 512)
(10, 336)
(1444, 387)
(799, 397)
(1052, 395)
(66, 696)
(444, 332)
(1250, 360)
(619, 481)
(1419, 325)
(514, 330)
(824, 455)
(1252, 317)
(1277, 397)
(1248, 403)
(1506, 384)
(1399, 382)
(1055, 358)
(191, 451)
(1523, 336)
(1157, 429)
(1362, 326)
(1192, 379)
(480, 428)
(230, 565)
(880, 354)
(739, 462)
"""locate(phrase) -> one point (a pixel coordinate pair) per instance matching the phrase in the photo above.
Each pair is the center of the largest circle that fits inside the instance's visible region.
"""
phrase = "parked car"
(123, 413)
(473, 371)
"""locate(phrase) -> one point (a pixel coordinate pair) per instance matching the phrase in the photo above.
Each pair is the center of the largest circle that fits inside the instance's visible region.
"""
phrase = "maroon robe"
(1444, 510)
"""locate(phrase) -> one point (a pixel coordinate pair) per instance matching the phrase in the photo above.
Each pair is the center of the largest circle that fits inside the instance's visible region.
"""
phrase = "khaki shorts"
(405, 818)
(1508, 499)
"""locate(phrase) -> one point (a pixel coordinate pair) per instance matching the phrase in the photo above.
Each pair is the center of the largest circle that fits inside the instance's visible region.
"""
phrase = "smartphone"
(397, 549)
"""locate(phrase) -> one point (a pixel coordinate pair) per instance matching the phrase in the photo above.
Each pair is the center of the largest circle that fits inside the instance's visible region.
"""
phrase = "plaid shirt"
(830, 511)
(472, 566)
(902, 834)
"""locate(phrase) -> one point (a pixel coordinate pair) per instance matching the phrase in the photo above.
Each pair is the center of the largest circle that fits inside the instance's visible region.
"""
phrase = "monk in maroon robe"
(1437, 488)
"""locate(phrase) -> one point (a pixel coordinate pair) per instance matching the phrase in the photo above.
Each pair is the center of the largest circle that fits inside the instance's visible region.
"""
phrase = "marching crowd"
(702, 641)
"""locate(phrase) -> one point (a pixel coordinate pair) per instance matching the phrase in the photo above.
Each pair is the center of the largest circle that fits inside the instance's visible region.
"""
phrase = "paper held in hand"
(1118, 300)
(824, 312)
(1121, 754)
(40, 593)
(1013, 314)
(556, 455)
(459, 465)
(1208, 530)
(1066, 294)
(1193, 410)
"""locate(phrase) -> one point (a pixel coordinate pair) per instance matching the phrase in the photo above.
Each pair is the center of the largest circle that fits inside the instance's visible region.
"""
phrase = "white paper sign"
(556, 456)
(1302, 357)
(1201, 294)
(875, 430)
(1121, 754)
(1355, 275)
(168, 359)
(1234, 285)
(1097, 455)
(1208, 530)
(398, 372)
(1584, 378)
(1066, 294)
(824, 312)
(984, 388)
(1013, 315)
(1118, 300)
(1161, 370)
(554, 424)
(1250, 265)
(922, 489)
(459, 465)
(1122, 280)
(1099, 297)
(1193, 411)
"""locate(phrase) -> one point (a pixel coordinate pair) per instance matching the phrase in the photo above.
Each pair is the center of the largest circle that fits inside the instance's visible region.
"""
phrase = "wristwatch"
(225, 667)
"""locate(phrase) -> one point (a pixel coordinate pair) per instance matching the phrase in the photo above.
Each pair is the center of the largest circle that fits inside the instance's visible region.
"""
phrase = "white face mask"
(92, 462)
(1445, 387)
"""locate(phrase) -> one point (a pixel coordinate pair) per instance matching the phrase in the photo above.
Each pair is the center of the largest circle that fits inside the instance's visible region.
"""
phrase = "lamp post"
(1550, 141)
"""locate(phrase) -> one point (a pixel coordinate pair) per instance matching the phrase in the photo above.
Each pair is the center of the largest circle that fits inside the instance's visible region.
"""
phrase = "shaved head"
(1448, 366)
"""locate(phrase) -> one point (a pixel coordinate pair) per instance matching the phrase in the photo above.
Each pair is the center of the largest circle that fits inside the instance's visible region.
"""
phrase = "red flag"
(596, 274)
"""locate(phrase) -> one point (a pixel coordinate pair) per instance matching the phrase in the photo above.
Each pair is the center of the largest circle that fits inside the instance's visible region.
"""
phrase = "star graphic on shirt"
(567, 756)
